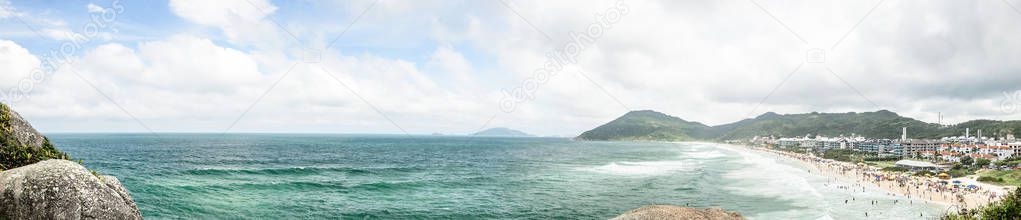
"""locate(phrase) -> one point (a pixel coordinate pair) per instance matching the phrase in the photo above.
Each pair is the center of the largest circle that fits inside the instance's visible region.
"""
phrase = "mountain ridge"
(656, 126)
(501, 132)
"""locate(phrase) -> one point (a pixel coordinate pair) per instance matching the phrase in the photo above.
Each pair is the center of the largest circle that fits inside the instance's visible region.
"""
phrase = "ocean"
(319, 176)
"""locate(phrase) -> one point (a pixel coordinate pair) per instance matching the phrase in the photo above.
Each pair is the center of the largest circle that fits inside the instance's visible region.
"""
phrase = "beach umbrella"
(943, 176)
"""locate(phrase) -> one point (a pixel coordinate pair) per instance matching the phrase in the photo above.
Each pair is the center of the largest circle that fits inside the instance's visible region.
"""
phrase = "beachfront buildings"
(995, 152)
(881, 147)
(950, 149)
(819, 143)
(915, 147)
(1015, 148)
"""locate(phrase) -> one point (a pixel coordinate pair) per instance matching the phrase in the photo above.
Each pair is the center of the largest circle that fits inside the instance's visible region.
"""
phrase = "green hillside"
(651, 125)
(647, 125)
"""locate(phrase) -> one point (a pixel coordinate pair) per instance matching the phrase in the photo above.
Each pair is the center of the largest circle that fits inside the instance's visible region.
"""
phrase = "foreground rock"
(656, 212)
(22, 131)
(60, 189)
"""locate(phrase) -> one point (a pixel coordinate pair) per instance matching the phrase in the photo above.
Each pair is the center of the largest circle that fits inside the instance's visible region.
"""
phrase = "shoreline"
(856, 177)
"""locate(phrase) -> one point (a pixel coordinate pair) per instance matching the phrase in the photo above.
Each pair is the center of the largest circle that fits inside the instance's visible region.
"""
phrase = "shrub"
(960, 172)
(982, 162)
(924, 173)
(14, 154)
(1007, 208)
(895, 169)
(967, 160)
(989, 179)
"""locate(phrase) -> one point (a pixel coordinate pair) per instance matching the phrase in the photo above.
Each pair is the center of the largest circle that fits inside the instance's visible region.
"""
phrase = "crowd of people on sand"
(854, 177)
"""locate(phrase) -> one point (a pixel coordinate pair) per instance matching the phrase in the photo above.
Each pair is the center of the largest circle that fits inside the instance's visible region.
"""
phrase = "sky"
(551, 68)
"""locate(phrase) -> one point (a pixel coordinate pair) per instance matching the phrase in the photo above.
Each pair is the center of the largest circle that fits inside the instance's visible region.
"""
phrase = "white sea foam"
(705, 155)
(645, 168)
(763, 175)
(772, 178)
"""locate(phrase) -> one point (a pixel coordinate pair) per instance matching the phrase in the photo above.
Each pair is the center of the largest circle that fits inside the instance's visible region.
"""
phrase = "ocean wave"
(705, 155)
(777, 179)
(302, 186)
(292, 171)
(763, 176)
(646, 168)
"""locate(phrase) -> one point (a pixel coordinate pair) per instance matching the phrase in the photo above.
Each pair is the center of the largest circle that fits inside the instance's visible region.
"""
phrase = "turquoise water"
(287, 176)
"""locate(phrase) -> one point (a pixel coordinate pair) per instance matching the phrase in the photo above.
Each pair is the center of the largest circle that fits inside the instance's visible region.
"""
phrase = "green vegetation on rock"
(15, 154)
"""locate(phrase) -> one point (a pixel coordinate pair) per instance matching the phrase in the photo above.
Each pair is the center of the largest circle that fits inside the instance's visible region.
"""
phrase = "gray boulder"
(23, 132)
(60, 189)
(656, 212)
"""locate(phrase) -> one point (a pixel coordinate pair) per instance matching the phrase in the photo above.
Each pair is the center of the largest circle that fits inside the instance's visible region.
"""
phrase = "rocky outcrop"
(38, 188)
(60, 189)
(21, 130)
(656, 212)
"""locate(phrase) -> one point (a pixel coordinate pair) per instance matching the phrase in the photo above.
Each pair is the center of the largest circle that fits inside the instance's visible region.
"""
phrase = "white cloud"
(706, 61)
(16, 64)
(715, 61)
(222, 13)
(6, 10)
(193, 63)
(166, 78)
(60, 34)
(93, 8)
(453, 64)
(241, 21)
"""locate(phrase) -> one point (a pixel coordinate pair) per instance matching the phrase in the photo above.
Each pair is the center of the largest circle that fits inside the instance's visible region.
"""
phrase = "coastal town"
(963, 172)
(993, 152)
(945, 149)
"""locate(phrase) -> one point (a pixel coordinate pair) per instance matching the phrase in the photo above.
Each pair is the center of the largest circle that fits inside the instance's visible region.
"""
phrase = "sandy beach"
(855, 177)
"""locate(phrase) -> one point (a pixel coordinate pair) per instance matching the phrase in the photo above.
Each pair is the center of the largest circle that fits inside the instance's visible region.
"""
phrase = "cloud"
(185, 72)
(222, 13)
(202, 86)
(6, 10)
(243, 22)
(716, 61)
(440, 66)
(60, 34)
(16, 64)
(453, 64)
(93, 8)
(193, 63)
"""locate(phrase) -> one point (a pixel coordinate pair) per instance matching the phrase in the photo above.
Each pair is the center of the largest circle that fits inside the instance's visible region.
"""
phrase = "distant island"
(655, 126)
(502, 132)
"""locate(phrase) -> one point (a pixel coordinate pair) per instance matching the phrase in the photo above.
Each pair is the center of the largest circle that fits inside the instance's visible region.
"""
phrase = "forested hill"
(651, 125)
(647, 125)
